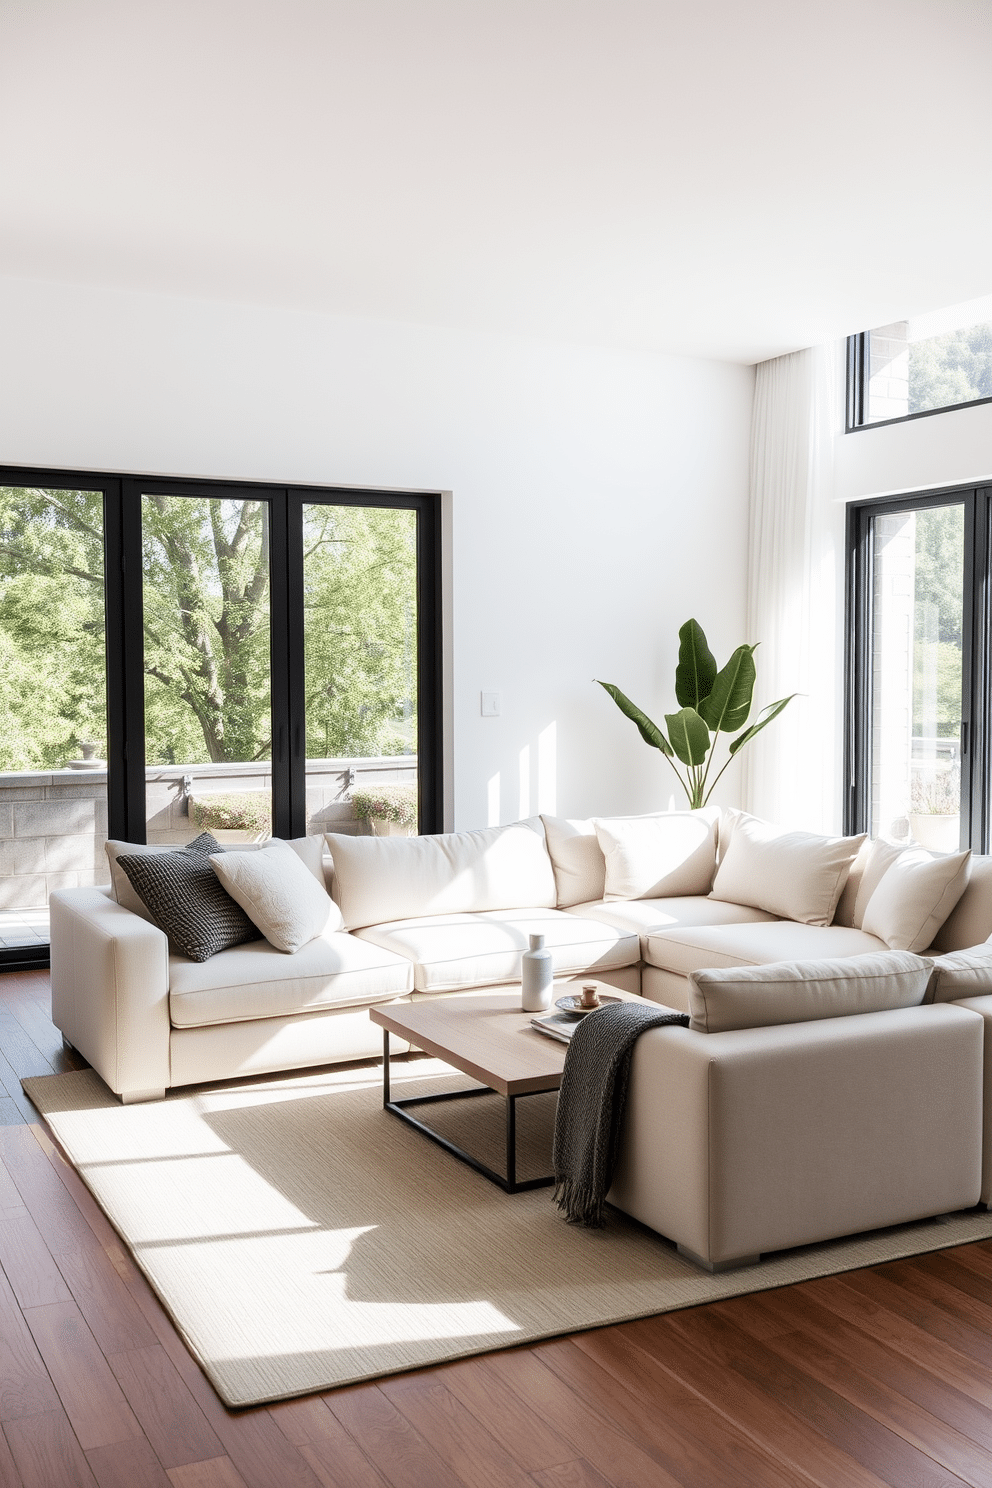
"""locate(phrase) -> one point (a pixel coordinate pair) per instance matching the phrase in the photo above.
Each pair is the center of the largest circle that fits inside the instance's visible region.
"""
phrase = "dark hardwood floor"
(876, 1377)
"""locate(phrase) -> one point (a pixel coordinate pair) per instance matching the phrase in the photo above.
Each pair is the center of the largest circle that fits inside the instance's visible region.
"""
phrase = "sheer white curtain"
(793, 770)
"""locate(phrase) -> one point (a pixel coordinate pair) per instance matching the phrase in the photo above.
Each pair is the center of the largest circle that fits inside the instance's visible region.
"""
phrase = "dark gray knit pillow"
(187, 899)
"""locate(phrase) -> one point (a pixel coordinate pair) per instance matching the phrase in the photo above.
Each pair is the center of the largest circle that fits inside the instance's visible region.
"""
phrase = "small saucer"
(574, 1008)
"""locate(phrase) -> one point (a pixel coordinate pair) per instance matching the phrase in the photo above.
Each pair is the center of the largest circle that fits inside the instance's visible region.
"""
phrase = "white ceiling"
(726, 178)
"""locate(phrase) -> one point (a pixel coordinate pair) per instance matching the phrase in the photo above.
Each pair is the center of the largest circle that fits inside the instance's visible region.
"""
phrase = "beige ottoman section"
(453, 953)
(760, 1139)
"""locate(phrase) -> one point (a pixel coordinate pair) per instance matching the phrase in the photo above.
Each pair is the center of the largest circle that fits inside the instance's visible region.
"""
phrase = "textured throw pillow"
(804, 991)
(577, 859)
(121, 885)
(278, 893)
(797, 875)
(188, 901)
(671, 855)
(914, 898)
(961, 974)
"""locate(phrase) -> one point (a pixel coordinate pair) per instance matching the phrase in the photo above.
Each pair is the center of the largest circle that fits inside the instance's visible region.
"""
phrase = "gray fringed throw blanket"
(591, 1102)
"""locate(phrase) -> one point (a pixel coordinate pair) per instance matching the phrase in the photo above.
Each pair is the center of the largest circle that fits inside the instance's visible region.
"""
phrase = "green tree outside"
(206, 635)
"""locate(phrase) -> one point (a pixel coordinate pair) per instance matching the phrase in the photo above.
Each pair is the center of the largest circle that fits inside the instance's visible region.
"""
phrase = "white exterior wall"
(598, 497)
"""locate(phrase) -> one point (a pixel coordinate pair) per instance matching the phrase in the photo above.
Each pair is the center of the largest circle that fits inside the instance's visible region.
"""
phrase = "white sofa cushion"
(797, 875)
(914, 897)
(278, 894)
(453, 952)
(787, 992)
(654, 857)
(643, 916)
(577, 859)
(961, 974)
(881, 856)
(257, 981)
(686, 950)
(310, 851)
(382, 879)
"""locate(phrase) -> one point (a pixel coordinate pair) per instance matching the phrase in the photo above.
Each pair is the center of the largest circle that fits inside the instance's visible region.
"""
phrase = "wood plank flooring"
(875, 1377)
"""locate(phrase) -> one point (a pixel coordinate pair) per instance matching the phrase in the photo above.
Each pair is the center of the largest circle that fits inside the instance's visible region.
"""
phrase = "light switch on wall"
(490, 704)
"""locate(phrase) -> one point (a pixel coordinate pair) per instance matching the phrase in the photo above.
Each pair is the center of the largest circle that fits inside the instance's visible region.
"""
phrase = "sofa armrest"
(766, 1138)
(110, 990)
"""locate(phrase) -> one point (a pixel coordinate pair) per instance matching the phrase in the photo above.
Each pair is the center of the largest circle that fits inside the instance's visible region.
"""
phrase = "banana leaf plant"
(711, 702)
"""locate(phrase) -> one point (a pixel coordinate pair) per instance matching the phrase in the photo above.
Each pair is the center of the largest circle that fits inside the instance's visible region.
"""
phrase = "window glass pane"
(360, 598)
(53, 703)
(933, 361)
(206, 647)
(917, 676)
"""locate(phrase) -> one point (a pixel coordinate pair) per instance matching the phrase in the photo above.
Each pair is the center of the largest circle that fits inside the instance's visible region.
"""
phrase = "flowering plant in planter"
(233, 811)
(391, 803)
(712, 701)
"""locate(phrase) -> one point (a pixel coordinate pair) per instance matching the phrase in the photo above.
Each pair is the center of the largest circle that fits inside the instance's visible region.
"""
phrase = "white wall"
(598, 497)
(944, 449)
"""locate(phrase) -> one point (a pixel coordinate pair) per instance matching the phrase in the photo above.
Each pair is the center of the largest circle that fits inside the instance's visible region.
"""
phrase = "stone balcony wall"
(53, 825)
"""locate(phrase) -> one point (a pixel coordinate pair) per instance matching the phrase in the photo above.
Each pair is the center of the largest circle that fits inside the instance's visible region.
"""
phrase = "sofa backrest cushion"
(914, 897)
(797, 875)
(961, 974)
(970, 921)
(805, 991)
(381, 879)
(577, 859)
(278, 894)
(671, 855)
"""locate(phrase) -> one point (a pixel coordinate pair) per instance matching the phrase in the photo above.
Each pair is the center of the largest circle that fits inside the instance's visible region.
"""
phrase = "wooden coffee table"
(489, 1038)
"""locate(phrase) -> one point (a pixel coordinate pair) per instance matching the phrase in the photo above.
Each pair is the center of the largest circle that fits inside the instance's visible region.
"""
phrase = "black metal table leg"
(401, 1108)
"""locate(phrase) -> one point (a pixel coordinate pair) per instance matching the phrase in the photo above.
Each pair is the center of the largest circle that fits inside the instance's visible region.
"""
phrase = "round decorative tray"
(574, 1008)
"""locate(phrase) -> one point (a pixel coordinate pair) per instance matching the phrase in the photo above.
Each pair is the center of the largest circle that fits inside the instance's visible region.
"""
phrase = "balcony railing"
(53, 824)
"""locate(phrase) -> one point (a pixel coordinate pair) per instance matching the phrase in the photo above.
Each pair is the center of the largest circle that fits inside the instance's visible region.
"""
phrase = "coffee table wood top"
(486, 1036)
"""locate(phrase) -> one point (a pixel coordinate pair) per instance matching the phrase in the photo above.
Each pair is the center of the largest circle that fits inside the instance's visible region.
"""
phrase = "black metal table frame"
(400, 1108)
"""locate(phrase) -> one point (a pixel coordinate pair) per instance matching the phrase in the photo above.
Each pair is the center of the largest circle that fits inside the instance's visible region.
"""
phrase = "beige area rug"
(303, 1238)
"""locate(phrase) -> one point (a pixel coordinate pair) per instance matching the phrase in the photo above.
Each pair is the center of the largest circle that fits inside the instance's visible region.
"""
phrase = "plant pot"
(383, 828)
(937, 831)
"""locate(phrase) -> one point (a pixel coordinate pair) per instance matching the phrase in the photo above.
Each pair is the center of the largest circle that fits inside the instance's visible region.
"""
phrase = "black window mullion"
(289, 719)
(126, 672)
(429, 666)
(978, 673)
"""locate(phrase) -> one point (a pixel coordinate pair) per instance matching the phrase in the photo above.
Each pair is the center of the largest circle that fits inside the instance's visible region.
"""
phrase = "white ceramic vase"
(536, 976)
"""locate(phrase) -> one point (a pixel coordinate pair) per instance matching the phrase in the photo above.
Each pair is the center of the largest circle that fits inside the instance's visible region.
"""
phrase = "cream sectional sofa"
(629, 901)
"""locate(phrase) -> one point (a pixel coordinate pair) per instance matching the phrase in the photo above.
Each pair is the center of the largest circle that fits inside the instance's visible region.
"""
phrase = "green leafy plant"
(395, 803)
(712, 701)
(233, 811)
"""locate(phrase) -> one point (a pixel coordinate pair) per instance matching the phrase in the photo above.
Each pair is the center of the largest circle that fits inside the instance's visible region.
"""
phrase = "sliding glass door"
(361, 623)
(53, 704)
(919, 657)
(178, 656)
(207, 667)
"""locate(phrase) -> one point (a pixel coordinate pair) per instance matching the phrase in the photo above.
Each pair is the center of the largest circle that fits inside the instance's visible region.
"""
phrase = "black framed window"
(175, 652)
(913, 368)
(918, 665)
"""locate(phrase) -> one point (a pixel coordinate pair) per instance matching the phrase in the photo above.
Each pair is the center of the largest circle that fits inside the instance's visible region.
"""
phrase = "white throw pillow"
(577, 858)
(915, 896)
(797, 875)
(880, 858)
(672, 855)
(381, 879)
(961, 974)
(803, 991)
(278, 893)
